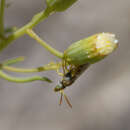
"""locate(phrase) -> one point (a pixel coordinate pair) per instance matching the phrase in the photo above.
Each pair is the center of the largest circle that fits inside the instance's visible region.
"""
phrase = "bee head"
(59, 87)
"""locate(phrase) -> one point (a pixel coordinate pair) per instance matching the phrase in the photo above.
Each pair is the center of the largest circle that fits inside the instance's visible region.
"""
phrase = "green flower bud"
(91, 49)
(59, 5)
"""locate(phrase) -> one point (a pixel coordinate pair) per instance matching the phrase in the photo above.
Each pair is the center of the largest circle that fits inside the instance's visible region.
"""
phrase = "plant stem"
(20, 32)
(38, 69)
(2, 6)
(32, 34)
(13, 61)
(22, 80)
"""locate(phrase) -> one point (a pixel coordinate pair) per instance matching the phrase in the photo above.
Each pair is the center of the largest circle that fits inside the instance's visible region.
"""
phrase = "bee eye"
(67, 78)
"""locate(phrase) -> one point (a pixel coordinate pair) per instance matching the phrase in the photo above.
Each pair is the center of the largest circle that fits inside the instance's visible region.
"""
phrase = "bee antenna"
(66, 99)
(60, 102)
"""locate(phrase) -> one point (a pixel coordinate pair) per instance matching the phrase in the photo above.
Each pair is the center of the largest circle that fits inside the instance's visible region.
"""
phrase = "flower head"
(91, 49)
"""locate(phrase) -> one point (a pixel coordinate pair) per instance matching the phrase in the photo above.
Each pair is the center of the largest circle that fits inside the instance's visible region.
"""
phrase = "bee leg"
(58, 70)
(71, 66)
(63, 67)
(67, 67)
(59, 73)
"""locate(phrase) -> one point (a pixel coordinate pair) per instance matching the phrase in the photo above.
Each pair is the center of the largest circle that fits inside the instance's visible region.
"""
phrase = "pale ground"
(100, 98)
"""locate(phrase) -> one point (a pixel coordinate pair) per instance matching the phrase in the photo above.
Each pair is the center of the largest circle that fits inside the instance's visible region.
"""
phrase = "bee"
(69, 77)
(81, 54)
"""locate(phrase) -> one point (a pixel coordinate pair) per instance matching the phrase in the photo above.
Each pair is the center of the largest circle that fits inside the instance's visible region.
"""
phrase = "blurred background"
(100, 97)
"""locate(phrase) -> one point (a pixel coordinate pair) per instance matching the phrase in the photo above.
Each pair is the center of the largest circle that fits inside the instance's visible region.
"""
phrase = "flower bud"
(59, 5)
(91, 49)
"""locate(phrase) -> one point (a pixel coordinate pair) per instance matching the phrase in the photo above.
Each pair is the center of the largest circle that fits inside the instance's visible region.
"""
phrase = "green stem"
(20, 32)
(38, 69)
(2, 6)
(32, 34)
(22, 80)
(13, 61)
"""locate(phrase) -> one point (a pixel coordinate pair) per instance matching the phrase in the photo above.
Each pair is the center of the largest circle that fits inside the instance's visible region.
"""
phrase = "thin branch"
(2, 7)
(22, 80)
(51, 66)
(33, 35)
(20, 32)
(13, 61)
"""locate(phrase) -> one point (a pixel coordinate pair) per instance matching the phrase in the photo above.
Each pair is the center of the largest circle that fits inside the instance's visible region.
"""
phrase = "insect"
(69, 77)
(81, 54)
